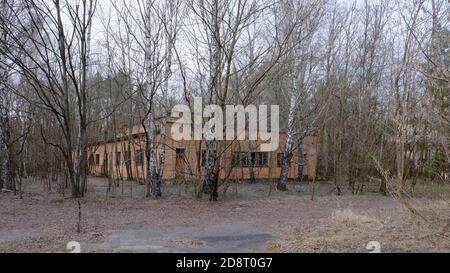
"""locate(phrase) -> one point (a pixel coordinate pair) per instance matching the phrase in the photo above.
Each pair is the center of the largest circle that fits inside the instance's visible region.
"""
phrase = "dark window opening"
(280, 159)
(241, 160)
(252, 160)
(91, 160)
(139, 158)
(180, 151)
(247, 160)
(118, 159)
(127, 158)
(262, 160)
(302, 158)
(97, 160)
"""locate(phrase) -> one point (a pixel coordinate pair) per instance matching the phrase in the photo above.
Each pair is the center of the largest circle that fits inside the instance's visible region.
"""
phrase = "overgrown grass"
(351, 218)
(432, 189)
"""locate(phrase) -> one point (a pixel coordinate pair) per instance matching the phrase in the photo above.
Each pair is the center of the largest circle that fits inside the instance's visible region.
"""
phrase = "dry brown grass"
(328, 224)
(350, 218)
(432, 190)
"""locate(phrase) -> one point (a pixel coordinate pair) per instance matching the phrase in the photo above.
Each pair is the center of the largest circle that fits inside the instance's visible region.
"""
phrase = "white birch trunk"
(213, 93)
(170, 36)
(287, 157)
(5, 134)
(152, 180)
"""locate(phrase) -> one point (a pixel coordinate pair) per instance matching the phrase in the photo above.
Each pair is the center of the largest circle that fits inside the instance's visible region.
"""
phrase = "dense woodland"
(370, 78)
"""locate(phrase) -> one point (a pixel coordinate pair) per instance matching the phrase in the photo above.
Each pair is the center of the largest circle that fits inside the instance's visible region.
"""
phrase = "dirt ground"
(245, 220)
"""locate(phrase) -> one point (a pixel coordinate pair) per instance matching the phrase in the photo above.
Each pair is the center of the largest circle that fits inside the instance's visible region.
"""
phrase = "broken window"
(91, 160)
(280, 159)
(127, 158)
(262, 160)
(118, 159)
(139, 158)
(247, 160)
(241, 160)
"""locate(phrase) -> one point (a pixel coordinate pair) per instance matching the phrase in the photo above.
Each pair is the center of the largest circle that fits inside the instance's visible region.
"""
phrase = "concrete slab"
(233, 238)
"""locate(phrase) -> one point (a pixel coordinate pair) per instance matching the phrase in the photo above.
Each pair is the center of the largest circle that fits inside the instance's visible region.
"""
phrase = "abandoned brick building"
(124, 157)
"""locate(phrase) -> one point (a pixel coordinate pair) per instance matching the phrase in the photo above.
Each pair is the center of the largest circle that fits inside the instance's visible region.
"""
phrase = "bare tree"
(300, 64)
(6, 176)
(239, 60)
(403, 85)
(54, 60)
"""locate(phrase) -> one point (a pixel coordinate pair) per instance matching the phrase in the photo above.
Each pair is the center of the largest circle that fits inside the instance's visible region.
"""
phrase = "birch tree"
(235, 50)
(403, 84)
(153, 27)
(6, 176)
(53, 57)
(300, 65)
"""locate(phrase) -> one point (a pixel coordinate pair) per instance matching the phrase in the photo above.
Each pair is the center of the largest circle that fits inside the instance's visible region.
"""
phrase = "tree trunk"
(5, 136)
(287, 157)
(6, 176)
(400, 154)
(210, 162)
(153, 184)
